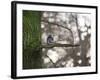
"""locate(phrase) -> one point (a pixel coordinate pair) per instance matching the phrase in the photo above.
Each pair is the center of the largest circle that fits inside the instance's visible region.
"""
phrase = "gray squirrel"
(50, 39)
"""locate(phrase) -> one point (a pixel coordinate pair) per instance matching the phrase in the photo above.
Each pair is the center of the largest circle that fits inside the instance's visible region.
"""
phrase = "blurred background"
(56, 39)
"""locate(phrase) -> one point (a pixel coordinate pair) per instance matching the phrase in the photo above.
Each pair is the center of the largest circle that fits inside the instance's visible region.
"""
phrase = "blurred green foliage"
(31, 39)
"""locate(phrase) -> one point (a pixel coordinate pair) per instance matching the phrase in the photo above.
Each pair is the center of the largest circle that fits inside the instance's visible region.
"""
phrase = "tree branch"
(51, 60)
(55, 24)
(59, 45)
